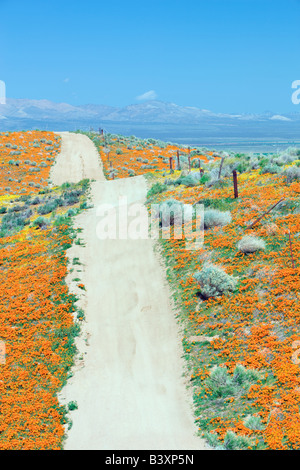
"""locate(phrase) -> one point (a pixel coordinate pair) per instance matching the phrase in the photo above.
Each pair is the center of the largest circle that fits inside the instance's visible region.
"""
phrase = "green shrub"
(157, 188)
(251, 244)
(242, 167)
(214, 281)
(291, 174)
(216, 218)
(36, 201)
(72, 405)
(204, 179)
(254, 423)
(14, 221)
(16, 208)
(233, 441)
(131, 172)
(171, 212)
(244, 376)
(40, 222)
(192, 179)
(212, 439)
(222, 384)
(71, 197)
(263, 162)
(48, 207)
(270, 168)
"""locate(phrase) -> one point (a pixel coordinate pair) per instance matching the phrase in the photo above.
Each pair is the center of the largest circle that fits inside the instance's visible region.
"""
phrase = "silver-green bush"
(292, 174)
(216, 218)
(250, 244)
(214, 281)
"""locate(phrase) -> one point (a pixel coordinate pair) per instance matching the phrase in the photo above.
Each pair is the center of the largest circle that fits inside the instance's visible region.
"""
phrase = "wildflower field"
(38, 321)
(237, 297)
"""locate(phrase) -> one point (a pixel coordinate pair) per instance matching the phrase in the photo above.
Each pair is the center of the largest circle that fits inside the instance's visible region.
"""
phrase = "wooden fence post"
(220, 169)
(171, 164)
(178, 160)
(265, 213)
(235, 184)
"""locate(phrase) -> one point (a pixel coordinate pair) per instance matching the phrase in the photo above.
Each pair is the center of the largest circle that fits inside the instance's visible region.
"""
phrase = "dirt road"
(129, 386)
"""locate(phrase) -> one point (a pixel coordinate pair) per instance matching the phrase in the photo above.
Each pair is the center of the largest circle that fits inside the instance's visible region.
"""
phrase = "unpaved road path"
(129, 386)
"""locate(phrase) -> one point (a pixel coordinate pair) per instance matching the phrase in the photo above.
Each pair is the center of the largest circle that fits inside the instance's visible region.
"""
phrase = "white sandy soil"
(128, 379)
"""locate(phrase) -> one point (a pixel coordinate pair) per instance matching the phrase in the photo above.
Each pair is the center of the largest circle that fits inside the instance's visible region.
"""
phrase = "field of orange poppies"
(37, 325)
(257, 326)
(124, 157)
(241, 347)
(241, 343)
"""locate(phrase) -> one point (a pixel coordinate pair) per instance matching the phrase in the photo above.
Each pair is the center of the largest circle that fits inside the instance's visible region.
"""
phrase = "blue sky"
(223, 55)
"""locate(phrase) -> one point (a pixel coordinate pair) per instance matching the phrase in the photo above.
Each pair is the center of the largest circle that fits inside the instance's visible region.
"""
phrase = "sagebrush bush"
(40, 222)
(292, 174)
(192, 179)
(171, 212)
(243, 376)
(233, 441)
(157, 188)
(254, 423)
(36, 201)
(212, 439)
(222, 384)
(214, 281)
(15, 220)
(251, 244)
(216, 218)
(47, 208)
(270, 168)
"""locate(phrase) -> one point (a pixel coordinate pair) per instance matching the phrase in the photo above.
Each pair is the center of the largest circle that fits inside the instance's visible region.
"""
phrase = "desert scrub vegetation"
(141, 156)
(255, 323)
(37, 319)
(51, 202)
(214, 281)
(216, 218)
(173, 213)
(156, 188)
(170, 212)
(28, 155)
(221, 384)
(191, 179)
(251, 244)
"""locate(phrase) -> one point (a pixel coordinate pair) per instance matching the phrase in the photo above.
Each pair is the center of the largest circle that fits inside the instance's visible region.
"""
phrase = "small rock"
(202, 338)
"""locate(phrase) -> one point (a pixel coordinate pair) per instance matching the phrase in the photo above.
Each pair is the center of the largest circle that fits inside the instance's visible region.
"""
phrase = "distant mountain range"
(146, 112)
(158, 119)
